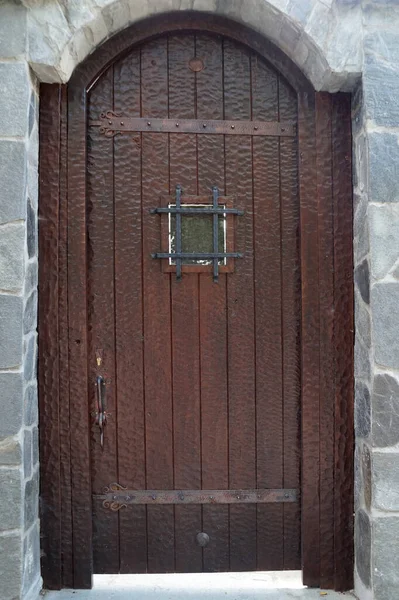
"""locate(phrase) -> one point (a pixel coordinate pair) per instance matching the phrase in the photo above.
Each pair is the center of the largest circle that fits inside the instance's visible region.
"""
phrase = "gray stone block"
(13, 30)
(30, 313)
(10, 331)
(362, 320)
(10, 451)
(35, 447)
(14, 97)
(385, 557)
(31, 274)
(384, 167)
(362, 280)
(384, 238)
(362, 360)
(385, 410)
(30, 405)
(381, 77)
(11, 407)
(386, 481)
(363, 546)
(31, 230)
(384, 308)
(27, 453)
(11, 566)
(31, 500)
(12, 247)
(362, 410)
(366, 476)
(30, 358)
(12, 180)
(11, 495)
(31, 558)
(358, 487)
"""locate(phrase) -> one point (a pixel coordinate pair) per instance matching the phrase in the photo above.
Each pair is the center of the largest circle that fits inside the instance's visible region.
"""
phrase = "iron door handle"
(101, 415)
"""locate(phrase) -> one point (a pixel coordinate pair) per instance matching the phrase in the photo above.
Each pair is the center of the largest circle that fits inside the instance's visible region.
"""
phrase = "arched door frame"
(325, 185)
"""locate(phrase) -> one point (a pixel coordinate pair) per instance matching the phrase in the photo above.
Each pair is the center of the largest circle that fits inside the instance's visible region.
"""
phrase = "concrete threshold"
(281, 585)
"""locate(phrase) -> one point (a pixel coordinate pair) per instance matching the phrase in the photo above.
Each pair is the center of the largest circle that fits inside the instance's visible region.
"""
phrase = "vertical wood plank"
(310, 341)
(48, 366)
(240, 308)
(343, 336)
(157, 313)
(129, 316)
(101, 331)
(268, 309)
(63, 326)
(214, 417)
(185, 317)
(291, 322)
(77, 342)
(327, 365)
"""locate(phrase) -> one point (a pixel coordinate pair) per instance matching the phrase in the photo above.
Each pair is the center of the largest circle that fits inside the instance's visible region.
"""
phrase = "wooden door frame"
(325, 190)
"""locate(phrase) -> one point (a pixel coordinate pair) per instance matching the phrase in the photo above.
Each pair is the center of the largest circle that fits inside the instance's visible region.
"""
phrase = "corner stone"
(10, 331)
(386, 560)
(384, 167)
(363, 547)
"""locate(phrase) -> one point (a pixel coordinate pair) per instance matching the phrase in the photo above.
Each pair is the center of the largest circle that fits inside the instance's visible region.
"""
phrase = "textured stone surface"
(362, 409)
(10, 451)
(12, 180)
(13, 30)
(10, 331)
(384, 167)
(31, 497)
(11, 412)
(385, 407)
(366, 476)
(31, 230)
(362, 360)
(385, 558)
(363, 546)
(10, 566)
(11, 493)
(27, 453)
(381, 64)
(14, 98)
(362, 320)
(12, 244)
(384, 238)
(30, 405)
(384, 307)
(31, 559)
(362, 280)
(30, 312)
(30, 358)
(386, 481)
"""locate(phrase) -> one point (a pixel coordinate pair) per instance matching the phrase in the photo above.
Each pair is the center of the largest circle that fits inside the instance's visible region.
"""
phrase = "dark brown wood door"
(200, 380)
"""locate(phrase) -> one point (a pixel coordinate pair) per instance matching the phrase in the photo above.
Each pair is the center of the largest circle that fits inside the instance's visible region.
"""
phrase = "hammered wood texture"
(194, 438)
(240, 384)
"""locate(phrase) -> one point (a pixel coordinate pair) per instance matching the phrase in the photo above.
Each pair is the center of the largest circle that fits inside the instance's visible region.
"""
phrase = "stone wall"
(339, 44)
(19, 460)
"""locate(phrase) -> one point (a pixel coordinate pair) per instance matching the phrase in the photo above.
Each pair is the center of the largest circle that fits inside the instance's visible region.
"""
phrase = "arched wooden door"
(202, 377)
(203, 407)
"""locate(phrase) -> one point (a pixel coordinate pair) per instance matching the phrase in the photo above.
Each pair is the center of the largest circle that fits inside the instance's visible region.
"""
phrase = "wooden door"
(204, 383)
(201, 377)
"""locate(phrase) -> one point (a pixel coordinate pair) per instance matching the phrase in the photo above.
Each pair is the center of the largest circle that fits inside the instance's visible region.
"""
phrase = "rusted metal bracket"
(112, 124)
(116, 496)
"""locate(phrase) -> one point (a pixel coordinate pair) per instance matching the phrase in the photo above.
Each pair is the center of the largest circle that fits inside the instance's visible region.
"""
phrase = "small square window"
(197, 235)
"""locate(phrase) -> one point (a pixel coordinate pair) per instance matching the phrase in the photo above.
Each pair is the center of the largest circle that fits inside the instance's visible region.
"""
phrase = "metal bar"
(178, 233)
(199, 255)
(111, 124)
(215, 194)
(196, 211)
(115, 496)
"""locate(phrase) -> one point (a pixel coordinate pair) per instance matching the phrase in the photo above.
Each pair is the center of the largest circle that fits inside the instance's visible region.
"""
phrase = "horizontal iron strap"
(112, 124)
(197, 211)
(198, 496)
(197, 255)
